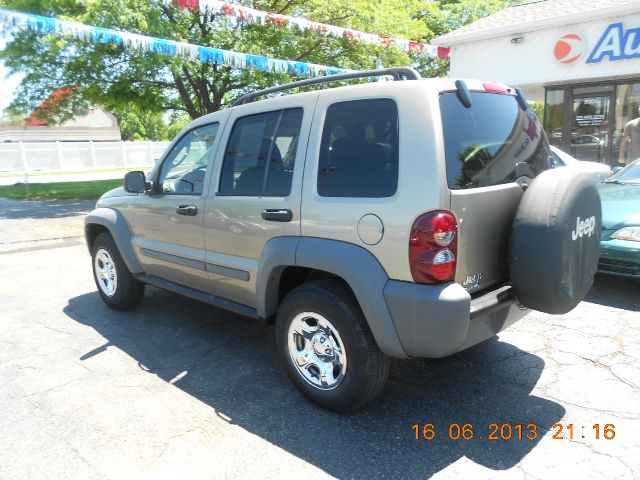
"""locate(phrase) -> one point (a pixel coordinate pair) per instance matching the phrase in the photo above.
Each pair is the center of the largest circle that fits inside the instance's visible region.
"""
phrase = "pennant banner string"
(251, 15)
(80, 31)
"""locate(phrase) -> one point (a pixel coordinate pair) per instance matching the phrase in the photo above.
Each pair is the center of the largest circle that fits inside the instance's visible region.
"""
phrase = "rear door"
(488, 146)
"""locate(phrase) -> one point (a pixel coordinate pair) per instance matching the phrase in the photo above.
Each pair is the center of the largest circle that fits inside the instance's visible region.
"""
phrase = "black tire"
(128, 291)
(555, 241)
(367, 367)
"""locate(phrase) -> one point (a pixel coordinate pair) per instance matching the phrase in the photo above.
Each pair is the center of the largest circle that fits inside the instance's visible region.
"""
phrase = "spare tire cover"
(555, 241)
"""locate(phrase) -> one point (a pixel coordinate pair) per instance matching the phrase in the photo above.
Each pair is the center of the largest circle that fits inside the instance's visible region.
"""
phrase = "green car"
(620, 245)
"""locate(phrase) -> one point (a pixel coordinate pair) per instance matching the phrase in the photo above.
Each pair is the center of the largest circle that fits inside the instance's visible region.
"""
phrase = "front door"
(590, 129)
(257, 191)
(167, 223)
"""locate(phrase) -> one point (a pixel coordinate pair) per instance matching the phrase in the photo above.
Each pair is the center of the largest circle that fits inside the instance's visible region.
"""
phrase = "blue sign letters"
(616, 44)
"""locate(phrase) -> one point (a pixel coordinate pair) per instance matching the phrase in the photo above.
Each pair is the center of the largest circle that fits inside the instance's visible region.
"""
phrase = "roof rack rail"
(403, 73)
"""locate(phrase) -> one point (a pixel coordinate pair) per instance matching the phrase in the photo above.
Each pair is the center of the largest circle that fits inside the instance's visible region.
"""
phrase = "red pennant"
(192, 5)
(227, 9)
(443, 52)
(416, 47)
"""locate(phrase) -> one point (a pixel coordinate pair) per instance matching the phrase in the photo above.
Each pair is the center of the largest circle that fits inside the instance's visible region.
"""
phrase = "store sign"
(617, 44)
(590, 120)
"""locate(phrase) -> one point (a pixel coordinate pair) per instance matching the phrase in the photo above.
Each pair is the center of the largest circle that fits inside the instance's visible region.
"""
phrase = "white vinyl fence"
(31, 157)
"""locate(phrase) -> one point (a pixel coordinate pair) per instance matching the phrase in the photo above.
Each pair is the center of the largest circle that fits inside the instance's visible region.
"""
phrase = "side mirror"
(135, 182)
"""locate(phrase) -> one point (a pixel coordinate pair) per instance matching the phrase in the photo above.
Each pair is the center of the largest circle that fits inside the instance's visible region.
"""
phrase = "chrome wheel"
(106, 273)
(317, 351)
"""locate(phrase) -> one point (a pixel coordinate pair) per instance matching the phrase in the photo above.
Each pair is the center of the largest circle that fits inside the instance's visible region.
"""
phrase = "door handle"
(277, 214)
(189, 210)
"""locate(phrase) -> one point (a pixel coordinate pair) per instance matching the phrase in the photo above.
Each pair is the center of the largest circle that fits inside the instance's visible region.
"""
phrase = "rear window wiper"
(615, 180)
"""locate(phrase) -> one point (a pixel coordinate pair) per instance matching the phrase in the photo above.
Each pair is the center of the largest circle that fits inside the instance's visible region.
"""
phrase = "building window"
(554, 116)
(627, 103)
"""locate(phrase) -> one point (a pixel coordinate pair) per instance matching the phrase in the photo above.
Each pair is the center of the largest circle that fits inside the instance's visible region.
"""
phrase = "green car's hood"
(620, 204)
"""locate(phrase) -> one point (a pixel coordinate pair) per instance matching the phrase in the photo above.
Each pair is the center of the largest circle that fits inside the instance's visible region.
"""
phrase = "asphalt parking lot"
(179, 389)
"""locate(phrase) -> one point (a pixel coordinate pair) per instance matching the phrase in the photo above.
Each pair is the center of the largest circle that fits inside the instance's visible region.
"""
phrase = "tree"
(118, 79)
(115, 77)
(136, 124)
(449, 15)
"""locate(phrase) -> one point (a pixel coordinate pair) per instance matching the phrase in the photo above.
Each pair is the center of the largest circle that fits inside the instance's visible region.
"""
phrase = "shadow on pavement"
(617, 292)
(231, 365)
(16, 209)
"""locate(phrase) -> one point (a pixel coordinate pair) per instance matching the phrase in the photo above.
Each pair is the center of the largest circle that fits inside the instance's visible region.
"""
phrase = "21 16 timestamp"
(571, 431)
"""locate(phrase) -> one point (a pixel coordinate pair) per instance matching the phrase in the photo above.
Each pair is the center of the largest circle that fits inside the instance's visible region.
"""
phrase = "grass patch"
(58, 191)
(45, 173)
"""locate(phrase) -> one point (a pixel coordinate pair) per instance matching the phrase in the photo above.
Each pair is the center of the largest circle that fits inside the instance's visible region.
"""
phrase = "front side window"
(184, 169)
(359, 150)
(260, 154)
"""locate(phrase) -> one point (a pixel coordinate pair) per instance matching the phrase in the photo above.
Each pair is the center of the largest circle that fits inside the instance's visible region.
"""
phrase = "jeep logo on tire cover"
(584, 227)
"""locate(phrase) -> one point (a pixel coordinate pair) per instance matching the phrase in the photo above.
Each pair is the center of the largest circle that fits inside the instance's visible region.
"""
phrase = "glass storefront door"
(590, 127)
(588, 120)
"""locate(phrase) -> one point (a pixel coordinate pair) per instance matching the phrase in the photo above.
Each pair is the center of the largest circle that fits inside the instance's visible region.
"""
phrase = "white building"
(93, 124)
(582, 57)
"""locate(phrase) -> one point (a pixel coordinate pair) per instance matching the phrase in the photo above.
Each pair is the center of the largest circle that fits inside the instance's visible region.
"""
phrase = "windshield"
(629, 174)
(485, 142)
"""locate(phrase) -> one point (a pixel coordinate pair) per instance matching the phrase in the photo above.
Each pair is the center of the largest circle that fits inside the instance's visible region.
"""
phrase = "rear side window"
(484, 143)
(260, 154)
(359, 150)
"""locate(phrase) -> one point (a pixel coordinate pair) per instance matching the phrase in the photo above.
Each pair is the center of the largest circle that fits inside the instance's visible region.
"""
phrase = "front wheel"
(327, 347)
(117, 287)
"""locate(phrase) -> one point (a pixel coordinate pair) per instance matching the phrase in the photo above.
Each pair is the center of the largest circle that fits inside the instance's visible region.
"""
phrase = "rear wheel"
(117, 287)
(327, 348)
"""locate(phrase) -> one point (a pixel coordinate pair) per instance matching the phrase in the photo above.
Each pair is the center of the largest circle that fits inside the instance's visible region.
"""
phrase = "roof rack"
(403, 73)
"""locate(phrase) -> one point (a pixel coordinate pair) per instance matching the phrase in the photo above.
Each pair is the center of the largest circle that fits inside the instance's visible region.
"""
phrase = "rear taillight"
(433, 246)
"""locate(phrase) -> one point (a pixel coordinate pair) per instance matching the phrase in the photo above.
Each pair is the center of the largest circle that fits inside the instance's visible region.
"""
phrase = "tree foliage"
(132, 82)
(137, 124)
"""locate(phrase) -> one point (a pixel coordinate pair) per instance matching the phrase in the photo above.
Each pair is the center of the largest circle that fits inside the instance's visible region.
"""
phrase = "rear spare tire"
(555, 241)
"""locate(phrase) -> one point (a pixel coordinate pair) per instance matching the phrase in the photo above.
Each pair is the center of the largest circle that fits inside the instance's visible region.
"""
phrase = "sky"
(8, 83)
(7, 87)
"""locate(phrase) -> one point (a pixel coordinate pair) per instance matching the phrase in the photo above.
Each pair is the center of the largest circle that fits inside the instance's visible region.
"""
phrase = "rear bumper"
(435, 321)
(620, 257)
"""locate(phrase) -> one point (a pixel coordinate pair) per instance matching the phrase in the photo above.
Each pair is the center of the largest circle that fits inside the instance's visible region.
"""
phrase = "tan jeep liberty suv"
(406, 218)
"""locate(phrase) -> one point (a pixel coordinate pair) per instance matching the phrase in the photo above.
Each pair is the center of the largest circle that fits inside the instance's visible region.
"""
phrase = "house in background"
(92, 124)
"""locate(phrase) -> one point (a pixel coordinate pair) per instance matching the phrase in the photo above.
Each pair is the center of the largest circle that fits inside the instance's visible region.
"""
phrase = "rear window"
(484, 143)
